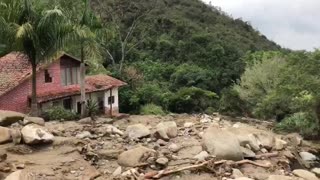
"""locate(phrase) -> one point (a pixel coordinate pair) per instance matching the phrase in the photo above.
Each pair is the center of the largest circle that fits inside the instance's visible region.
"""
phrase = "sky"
(293, 24)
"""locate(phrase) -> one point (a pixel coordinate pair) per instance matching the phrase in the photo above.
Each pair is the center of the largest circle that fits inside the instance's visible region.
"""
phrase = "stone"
(280, 177)
(117, 172)
(188, 124)
(135, 157)
(162, 161)
(236, 173)
(202, 156)
(266, 140)
(222, 144)
(130, 173)
(174, 148)
(304, 174)
(306, 156)
(137, 131)
(243, 178)
(35, 134)
(294, 138)
(33, 120)
(5, 135)
(87, 120)
(113, 130)
(205, 119)
(83, 135)
(316, 171)
(247, 153)
(15, 175)
(10, 117)
(280, 144)
(161, 142)
(248, 139)
(108, 153)
(16, 136)
(167, 130)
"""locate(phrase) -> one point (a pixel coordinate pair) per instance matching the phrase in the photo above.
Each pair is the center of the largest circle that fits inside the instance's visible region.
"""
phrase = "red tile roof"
(14, 68)
(94, 83)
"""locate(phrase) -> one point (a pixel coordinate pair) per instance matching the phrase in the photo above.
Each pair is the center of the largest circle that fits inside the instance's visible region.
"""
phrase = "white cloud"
(291, 23)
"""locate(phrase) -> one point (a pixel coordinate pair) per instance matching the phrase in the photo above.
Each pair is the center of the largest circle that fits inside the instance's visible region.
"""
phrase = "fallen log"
(162, 173)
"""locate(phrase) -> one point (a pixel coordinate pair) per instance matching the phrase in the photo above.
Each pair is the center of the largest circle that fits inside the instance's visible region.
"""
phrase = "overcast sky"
(293, 24)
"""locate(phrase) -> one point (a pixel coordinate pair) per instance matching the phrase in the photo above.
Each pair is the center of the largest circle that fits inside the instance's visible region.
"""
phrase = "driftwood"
(159, 174)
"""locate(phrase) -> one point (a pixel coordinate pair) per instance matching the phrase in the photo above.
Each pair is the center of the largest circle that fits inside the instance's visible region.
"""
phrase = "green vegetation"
(184, 56)
(59, 113)
(152, 109)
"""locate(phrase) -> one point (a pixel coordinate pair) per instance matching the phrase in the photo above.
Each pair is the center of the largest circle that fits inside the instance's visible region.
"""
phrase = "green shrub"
(231, 104)
(152, 109)
(190, 100)
(59, 113)
(210, 110)
(304, 123)
(92, 108)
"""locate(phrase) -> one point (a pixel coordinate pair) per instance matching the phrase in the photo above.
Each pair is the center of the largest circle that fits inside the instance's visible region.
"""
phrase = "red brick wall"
(17, 98)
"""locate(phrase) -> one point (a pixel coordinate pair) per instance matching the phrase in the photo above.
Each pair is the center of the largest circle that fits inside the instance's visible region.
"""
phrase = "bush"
(189, 100)
(92, 108)
(59, 113)
(231, 104)
(152, 109)
(304, 123)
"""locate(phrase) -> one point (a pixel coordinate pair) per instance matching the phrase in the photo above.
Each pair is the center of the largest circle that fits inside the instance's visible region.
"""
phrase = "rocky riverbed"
(153, 147)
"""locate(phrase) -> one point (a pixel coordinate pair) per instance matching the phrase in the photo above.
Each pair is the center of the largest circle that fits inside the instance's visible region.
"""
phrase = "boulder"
(135, 157)
(33, 120)
(280, 144)
(14, 176)
(305, 174)
(167, 130)
(162, 161)
(83, 135)
(117, 172)
(236, 173)
(316, 171)
(247, 153)
(243, 178)
(113, 130)
(188, 124)
(174, 147)
(248, 139)
(5, 135)
(202, 156)
(9, 117)
(306, 156)
(222, 144)
(87, 120)
(294, 138)
(137, 131)
(266, 140)
(20, 175)
(35, 134)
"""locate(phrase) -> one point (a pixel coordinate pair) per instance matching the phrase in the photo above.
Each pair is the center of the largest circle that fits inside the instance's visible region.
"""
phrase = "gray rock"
(83, 135)
(135, 157)
(306, 156)
(162, 161)
(137, 131)
(247, 153)
(305, 174)
(161, 142)
(5, 135)
(222, 144)
(202, 156)
(33, 120)
(87, 120)
(266, 140)
(167, 130)
(35, 134)
(188, 124)
(248, 139)
(16, 136)
(15, 175)
(10, 117)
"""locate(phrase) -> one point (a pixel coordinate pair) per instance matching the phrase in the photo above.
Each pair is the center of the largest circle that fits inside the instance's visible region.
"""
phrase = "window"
(111, 100)
(67, 103)
(70, 76)
(47, 77)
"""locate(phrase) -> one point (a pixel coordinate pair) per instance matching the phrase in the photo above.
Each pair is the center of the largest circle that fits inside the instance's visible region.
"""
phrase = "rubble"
(137, 131)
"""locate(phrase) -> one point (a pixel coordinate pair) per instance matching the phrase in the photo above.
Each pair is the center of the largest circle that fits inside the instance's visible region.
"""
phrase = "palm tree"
(37, 34)
(85, 36)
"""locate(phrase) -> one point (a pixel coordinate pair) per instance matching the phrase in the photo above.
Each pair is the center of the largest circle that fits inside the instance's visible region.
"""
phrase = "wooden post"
(111, 102)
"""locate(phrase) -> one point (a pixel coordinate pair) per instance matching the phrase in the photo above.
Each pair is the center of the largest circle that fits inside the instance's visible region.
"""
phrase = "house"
(57, 85)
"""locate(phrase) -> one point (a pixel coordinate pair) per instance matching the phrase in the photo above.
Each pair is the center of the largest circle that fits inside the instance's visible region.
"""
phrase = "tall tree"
(39, 34)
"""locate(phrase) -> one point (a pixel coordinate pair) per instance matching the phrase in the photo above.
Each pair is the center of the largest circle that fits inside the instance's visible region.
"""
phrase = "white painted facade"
(95, 96)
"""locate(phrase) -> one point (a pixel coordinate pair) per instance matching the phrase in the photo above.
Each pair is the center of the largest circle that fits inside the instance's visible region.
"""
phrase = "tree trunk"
(82, 85)
(34, 103)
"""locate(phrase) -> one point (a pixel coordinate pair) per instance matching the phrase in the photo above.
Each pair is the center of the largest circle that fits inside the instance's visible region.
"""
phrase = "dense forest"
(184, 56)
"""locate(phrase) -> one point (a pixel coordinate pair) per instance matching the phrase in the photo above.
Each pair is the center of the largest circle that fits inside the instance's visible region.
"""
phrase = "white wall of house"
(95, 96)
